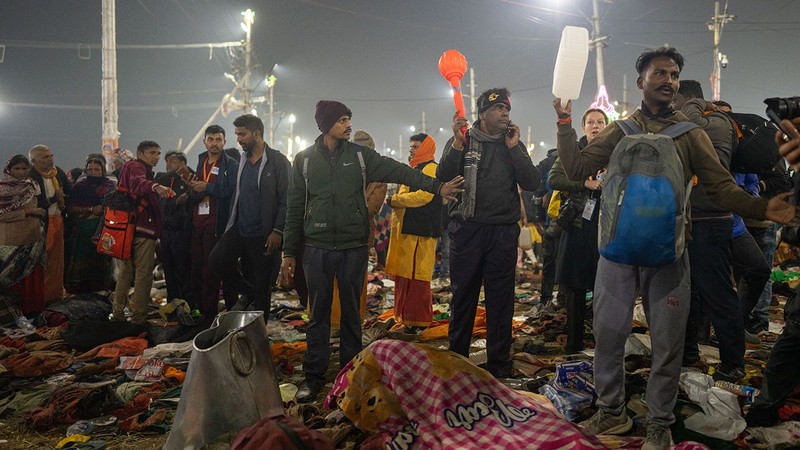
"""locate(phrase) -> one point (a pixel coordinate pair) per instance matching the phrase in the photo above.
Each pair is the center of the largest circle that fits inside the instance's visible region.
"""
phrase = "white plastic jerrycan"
(573, 54)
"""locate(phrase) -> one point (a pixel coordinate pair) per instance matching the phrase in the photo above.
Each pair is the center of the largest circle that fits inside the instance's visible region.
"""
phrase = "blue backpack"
(643, 208)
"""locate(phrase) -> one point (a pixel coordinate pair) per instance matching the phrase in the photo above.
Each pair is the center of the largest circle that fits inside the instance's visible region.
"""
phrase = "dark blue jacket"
(222, 190)
(274, 172)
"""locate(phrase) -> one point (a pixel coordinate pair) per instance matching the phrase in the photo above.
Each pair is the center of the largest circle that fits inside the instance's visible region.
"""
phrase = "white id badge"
(589, 209)
(204, 208)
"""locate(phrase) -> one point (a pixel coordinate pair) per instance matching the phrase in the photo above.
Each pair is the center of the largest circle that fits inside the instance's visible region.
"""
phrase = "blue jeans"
(712, 292)
(766, 238)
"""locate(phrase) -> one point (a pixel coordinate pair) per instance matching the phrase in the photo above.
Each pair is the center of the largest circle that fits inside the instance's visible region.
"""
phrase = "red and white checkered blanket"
(420, 397)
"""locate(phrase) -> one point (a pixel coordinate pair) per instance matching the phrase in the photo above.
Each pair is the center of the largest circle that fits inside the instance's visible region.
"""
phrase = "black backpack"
(756, 152)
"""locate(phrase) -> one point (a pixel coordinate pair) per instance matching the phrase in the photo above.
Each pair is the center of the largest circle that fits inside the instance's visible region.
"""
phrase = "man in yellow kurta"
(416, 226)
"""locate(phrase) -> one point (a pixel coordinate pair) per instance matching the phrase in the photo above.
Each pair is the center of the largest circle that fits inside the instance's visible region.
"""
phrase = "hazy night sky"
(378, 57)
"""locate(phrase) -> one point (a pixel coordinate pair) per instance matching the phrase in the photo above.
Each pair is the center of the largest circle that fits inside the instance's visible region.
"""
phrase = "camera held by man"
(785, 112)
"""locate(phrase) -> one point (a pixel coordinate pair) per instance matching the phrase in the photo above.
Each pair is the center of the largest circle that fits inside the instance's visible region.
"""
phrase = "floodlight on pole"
(249, 17)
(271, 80)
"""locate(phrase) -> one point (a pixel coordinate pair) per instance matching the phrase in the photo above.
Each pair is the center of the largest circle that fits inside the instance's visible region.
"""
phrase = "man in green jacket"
(328, 209)
(665, 290)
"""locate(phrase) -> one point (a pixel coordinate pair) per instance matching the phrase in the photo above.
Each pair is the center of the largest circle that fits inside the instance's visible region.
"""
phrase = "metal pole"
(528, 140)
(202, 130)
(109, 83)
(248, 48)
(598, 43)
(715, 78)
(625, 93)
(472, 100)
(720, 59)
(271, 113)
(291, 132)
(423, 123)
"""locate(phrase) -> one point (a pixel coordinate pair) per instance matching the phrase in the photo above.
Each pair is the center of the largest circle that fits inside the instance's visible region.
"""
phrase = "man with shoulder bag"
(136, 178)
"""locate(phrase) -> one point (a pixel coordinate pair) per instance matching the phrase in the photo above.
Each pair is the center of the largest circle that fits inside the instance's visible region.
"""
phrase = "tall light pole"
(271, 79)
(292, 120)
(598, 42)
(720, 59)
(247, 25)
(472, 100)
(109, 83)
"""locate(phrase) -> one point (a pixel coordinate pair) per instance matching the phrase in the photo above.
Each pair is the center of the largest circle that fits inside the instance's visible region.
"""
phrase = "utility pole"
(528, 139)
(720, 59)
(292, 120)
(472, 100)
(109, 83)
(598, 42)
(247, 24)
(625, 106)
(228, 100)
(271, 79)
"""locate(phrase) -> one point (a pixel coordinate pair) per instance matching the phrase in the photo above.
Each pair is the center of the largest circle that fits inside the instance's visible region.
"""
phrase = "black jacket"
(500, 170)
(544, 167)
(273, 185)
(175, 217)
(425, 220)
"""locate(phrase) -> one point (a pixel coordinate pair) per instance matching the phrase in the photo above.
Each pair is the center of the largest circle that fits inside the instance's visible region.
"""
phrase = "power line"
(187, 106)
(74, 45)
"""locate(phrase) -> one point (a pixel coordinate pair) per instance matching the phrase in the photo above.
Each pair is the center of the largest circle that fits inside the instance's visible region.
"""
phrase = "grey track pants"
(666, 295)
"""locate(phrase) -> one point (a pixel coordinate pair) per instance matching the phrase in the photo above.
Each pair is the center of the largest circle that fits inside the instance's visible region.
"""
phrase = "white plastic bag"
(525, 241)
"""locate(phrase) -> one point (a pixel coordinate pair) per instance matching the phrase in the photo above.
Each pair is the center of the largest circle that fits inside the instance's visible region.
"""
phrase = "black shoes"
(733, 375)
(308, 391)
(762, 417)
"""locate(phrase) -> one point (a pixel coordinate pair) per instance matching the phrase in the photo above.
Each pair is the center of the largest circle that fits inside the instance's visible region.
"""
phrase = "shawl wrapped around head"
(14, 193)
(424, 153)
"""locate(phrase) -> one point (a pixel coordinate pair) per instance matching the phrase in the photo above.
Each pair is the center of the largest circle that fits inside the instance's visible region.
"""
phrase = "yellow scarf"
(52, 177)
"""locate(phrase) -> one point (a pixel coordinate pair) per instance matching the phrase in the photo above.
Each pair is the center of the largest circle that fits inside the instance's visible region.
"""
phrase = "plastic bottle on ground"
(738, 389)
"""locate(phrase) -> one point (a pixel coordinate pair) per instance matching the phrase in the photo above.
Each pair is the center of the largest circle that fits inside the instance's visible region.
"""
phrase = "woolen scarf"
(14, 193)
(465, 209)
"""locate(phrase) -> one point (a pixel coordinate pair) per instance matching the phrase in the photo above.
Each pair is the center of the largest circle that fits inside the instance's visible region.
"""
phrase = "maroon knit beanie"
(328, 113)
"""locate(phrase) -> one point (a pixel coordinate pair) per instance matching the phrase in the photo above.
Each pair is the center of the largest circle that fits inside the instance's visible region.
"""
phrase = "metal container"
(230, 383)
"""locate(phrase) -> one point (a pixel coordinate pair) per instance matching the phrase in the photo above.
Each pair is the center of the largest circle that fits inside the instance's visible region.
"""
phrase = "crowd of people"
(237, 223)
